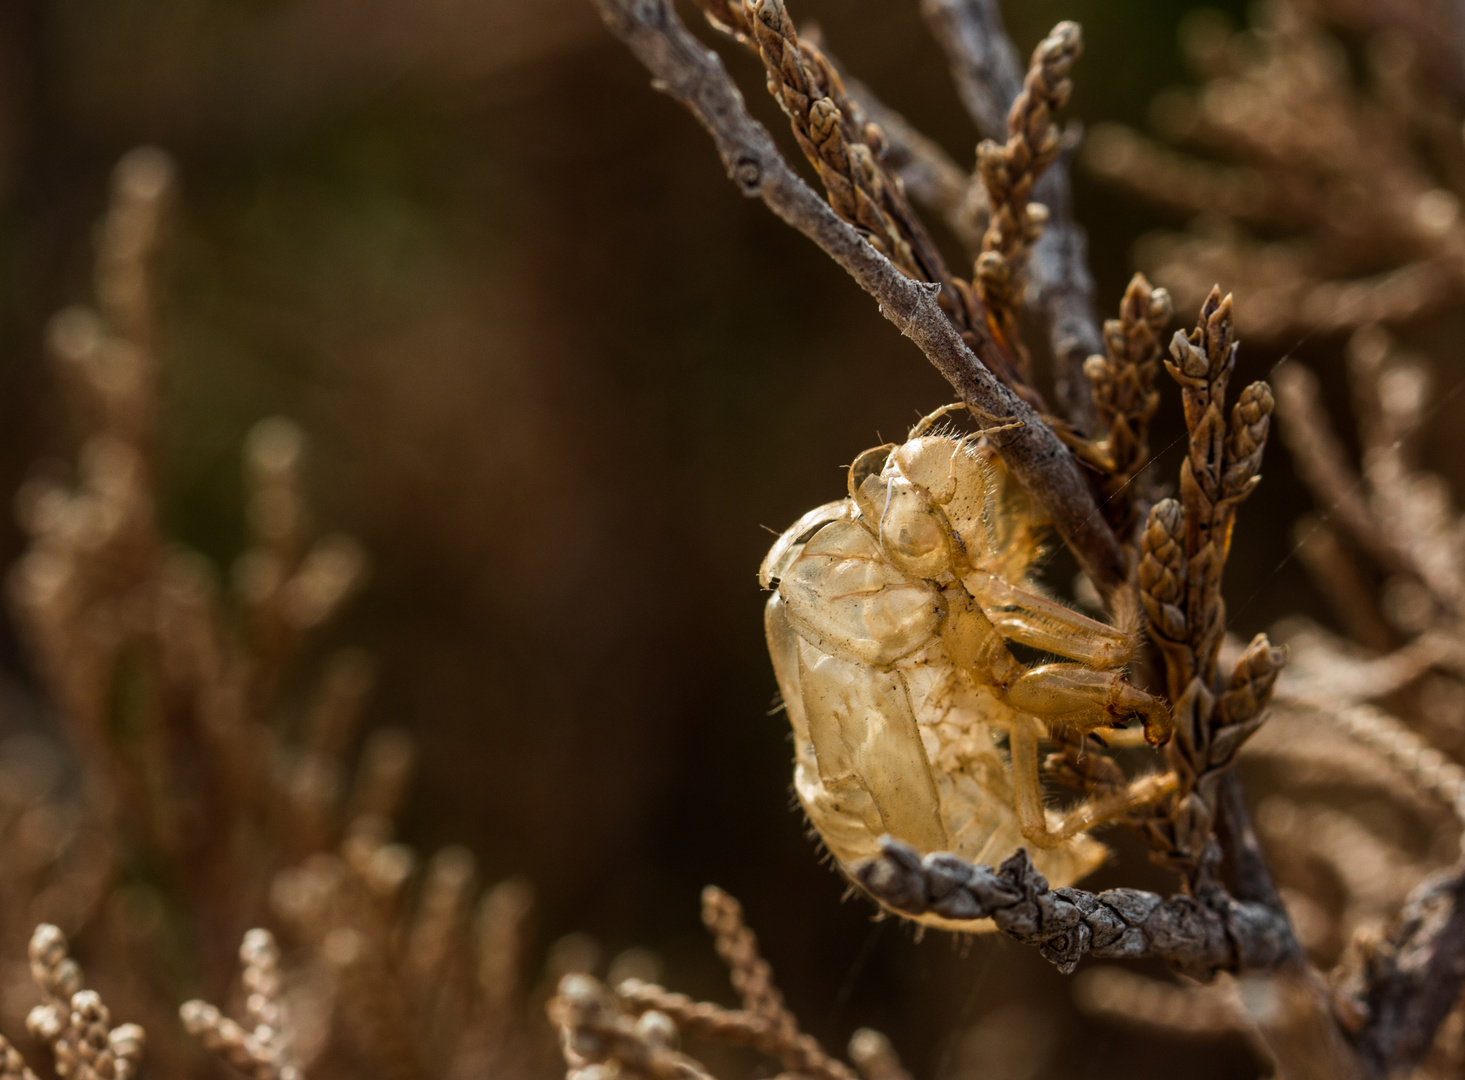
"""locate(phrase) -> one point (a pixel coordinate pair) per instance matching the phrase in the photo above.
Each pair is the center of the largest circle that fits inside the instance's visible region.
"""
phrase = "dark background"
(561, 380)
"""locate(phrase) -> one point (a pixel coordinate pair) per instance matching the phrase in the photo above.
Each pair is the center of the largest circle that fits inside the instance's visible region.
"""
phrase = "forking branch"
(694, 75)
(988, 75)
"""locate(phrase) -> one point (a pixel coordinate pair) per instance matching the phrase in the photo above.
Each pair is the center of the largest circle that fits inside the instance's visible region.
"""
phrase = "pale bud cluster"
(74, 1021)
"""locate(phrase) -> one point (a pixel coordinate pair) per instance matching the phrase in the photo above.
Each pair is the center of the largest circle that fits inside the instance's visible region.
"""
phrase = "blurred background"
(562, 381)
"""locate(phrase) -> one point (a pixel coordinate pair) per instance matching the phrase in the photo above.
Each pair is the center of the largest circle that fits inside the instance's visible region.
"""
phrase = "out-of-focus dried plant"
(631, 1029)
(262, 1050)
(74, 1021)
(1330, 196)
(217, 784)
(1385, 544)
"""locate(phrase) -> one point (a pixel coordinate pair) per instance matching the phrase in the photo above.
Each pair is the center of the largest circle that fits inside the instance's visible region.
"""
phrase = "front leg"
(1035, 620)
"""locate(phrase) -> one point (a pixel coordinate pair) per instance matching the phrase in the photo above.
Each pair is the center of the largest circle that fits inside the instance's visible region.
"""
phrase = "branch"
(1251, 877)
(1413, 978)
(694, 75)
(1291, 1007)
(1060, 284)
(984, 63)
(988, 74)
(1198, 936)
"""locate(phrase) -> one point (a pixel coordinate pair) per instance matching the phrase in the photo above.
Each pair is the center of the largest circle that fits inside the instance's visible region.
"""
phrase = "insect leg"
(1103, 809)
(1028, 794)
(1027, 785)
(1033, 619)
(1084, 699)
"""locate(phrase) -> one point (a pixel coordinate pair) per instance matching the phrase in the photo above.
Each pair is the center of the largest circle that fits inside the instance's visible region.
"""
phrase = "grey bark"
(1415, 977)
(984, 63)
(1199, 936)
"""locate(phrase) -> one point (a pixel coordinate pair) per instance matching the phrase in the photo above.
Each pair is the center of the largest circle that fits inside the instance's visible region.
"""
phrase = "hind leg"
(1103, 809)
(1023, 737)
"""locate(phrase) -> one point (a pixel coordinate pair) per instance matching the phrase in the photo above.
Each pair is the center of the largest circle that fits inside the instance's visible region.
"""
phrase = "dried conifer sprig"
(988, 74)
(12, 1065)
(1128, 998)
(1390, 512)
(1399, 519)
(811, 95)
(421, 983)
(1063, 287)
(1009, 172)
(1356, 188)
(1394, 989)
(1425, 767)
(874, 1055)
(848, 154)
(1244, 701)
(260, 1050)
(98, 558)
(1125, 398)
(601, 1028)
(1173, 1010)
(1327, 853)
(204, 765)
(795, 1051)
(601, 1040)
(730, 17)
(74, 1021)
(1183, 552)
(765, 1022)
(750, 973)
(931, 177)
(1218, 472)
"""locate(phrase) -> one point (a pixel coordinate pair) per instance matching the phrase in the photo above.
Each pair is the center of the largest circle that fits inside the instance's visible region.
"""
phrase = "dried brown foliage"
(74, 1021)
(1394, 688)
(1009, 173)
(218, 785)
(631, 1029)
(1361, 176)
(1332, 201)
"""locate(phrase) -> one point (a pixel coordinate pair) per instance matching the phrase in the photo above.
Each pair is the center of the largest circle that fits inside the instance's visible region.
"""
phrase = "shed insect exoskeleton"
(889, 632)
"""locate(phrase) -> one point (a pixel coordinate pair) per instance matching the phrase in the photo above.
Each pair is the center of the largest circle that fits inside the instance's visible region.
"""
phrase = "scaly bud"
(1247, 438)
(1252, 680)
(1162, 571)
